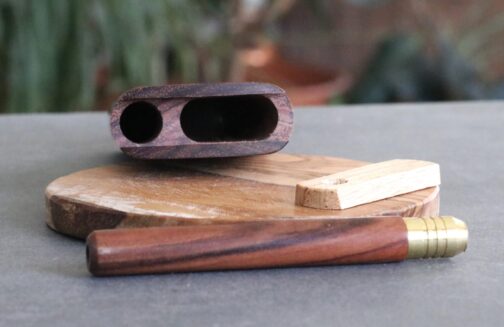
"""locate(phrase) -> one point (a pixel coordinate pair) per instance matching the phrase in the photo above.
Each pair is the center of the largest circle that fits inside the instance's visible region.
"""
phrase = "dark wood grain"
(173, 142)
(260, 244)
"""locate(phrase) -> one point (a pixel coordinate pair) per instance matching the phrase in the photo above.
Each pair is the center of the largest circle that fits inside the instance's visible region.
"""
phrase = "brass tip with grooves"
(435, 237)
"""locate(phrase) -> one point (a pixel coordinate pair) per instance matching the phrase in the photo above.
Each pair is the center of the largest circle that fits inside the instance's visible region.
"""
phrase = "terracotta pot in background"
(304, 84)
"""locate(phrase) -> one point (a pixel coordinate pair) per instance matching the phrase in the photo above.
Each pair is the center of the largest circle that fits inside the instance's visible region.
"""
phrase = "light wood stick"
(366, 184)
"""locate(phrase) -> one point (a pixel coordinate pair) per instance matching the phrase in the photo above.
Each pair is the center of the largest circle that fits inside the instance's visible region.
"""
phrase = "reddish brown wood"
(202, 120)
(259, 244)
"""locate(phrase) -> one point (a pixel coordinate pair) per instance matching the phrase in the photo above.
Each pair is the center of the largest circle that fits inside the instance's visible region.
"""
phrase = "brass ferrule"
(435, 237)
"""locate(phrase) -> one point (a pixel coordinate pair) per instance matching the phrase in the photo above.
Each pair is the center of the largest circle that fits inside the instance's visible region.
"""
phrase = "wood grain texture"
(172, 141)
(148, 194)
(261, 244)
(367, 184)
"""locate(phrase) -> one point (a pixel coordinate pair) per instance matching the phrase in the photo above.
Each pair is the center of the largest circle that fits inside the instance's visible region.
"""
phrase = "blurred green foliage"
(402, 71)
(66, 55)
(435, 62)
(63, 54)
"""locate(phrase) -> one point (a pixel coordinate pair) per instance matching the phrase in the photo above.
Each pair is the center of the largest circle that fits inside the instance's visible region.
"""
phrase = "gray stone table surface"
(43, 276)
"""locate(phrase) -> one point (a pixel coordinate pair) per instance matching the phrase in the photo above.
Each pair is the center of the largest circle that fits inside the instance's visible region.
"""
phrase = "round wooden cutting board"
(206, 191)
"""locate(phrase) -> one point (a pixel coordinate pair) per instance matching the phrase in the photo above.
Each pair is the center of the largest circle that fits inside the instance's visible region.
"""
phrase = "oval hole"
(233, 118)
(141, 122)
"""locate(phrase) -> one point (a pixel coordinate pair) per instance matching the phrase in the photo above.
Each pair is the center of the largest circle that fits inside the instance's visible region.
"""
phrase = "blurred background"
(69, 55)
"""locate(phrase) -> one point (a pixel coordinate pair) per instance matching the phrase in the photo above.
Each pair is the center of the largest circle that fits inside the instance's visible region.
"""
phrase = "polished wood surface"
(260, 244)
(238, 125)
(149, 194)
(367, 184)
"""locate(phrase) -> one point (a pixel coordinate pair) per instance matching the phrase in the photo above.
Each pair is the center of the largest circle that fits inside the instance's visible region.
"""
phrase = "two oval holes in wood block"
(202, 120)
